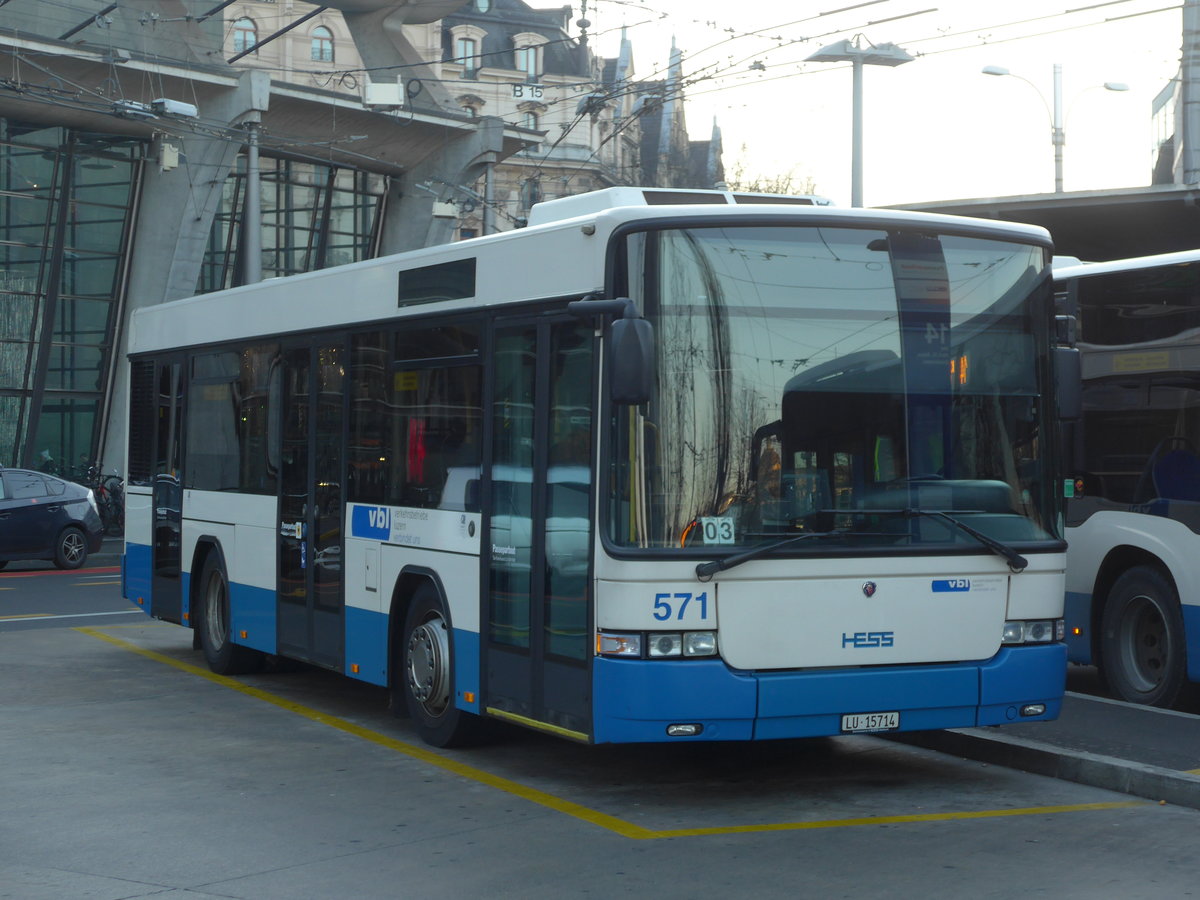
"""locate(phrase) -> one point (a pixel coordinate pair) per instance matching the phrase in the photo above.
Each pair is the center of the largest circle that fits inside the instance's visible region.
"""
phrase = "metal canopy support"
(88, 21)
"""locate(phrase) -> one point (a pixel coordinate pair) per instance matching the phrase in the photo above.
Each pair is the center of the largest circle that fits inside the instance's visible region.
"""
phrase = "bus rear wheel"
(426, 657)
(1142, 640)
(216, 633)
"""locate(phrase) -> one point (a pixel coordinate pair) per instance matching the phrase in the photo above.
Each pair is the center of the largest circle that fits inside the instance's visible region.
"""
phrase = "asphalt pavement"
(1137, 750)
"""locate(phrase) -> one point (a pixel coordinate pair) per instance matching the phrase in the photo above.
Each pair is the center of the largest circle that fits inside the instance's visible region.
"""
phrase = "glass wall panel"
(313, 217)
(69, 288)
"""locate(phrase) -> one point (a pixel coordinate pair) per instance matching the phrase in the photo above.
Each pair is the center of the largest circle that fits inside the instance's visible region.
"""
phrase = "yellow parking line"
(567, 807)
(1192, 771)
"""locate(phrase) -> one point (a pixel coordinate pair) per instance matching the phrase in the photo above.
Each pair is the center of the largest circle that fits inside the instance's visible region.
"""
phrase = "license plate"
(879, 721)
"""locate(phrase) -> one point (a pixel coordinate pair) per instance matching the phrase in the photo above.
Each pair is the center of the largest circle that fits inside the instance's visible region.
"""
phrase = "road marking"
(559, 804)
(33, 617)
(1192, 771)
(99, 570)
(110, 581)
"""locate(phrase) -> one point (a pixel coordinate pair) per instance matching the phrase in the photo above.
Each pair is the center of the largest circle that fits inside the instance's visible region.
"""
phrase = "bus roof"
(1083, 270)
(522, 265)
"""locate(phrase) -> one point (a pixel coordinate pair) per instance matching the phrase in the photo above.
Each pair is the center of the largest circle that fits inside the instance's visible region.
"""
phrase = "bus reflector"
(354, 668)
(243, 634)
(469, 696)
(187, 617)
(141, 602)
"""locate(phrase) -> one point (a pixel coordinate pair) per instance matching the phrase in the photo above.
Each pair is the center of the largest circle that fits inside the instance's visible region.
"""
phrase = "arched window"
(527, 54)
(322, 44)
(466, 51)
(245, 35)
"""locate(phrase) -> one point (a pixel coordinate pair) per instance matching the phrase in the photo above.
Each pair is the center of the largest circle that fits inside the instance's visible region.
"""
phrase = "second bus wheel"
(214, 624)
(1142, 650)
(426, 657)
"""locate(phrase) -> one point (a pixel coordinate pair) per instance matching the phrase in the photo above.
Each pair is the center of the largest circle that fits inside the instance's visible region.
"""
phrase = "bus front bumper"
(640, 700)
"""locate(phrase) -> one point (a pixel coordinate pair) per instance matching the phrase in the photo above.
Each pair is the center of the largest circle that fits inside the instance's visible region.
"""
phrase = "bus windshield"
(833, 380)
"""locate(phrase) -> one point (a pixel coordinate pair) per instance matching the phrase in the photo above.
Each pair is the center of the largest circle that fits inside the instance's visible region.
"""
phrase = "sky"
(936, 128)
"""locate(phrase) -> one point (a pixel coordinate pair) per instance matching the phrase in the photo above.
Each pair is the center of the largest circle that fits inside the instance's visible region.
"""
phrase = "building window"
(483, 6)
(527, 61)
(322, 44)
(245, 35)
(466, 51)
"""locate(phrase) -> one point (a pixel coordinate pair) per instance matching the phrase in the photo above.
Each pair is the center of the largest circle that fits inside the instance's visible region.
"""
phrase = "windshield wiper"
(706, 570)
(1016, 561)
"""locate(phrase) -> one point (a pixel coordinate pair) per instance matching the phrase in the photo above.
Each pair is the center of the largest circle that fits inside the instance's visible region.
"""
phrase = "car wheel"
(216, 633)
(71, 550)
(426, 657)
(1142, 650)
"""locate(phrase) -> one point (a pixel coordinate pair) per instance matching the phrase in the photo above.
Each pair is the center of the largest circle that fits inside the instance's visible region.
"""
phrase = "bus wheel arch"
(1139, 630)
(210, 614)
(421, 662)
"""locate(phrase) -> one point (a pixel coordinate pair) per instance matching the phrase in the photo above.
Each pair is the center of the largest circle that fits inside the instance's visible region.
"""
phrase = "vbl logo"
(868, 639)
(379, 517)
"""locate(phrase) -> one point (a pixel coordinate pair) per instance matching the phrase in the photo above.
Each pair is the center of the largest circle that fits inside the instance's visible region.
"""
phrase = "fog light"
(1013, 632)
(619, 644)
(665, 644)
(684, 730)
(1033, 709)
(700, 643)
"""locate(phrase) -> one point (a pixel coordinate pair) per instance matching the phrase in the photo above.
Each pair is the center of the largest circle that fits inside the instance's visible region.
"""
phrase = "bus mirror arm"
(631, 348)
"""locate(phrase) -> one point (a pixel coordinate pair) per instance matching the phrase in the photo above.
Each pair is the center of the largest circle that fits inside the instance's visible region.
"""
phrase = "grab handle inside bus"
(631, 348)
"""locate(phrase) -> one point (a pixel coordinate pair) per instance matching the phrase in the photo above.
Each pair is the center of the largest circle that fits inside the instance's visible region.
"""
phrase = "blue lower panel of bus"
(1077, 613)
(1191, 628)
(135, 574)
(637, 700)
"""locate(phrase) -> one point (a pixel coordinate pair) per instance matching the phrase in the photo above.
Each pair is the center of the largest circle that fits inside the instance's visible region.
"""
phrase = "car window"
(55, 486)
(24, 485)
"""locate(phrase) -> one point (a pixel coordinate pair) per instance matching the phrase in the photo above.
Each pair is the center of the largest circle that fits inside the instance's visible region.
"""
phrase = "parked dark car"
(43, 517)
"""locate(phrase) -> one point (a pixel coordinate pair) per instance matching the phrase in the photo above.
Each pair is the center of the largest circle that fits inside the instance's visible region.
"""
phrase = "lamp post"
(858, 55)
(1058, 135)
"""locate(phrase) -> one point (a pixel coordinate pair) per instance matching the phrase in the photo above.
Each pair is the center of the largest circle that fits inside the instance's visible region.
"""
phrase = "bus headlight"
(656, 644)
(613, 644)
(1033, 631)
(700, 643)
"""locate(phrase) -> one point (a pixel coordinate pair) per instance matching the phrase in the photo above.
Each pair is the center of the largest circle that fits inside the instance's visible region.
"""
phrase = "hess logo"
(865, 639)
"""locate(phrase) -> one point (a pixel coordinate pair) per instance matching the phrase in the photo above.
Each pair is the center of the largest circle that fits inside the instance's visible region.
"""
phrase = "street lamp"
(1058, 135)
(853, 52)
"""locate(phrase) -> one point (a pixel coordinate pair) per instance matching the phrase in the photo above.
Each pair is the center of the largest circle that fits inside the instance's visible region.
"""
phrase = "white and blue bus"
(1133, 587)
(661, 466)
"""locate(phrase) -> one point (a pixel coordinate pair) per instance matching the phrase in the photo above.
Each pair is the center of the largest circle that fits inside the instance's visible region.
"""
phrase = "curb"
(1093, 769)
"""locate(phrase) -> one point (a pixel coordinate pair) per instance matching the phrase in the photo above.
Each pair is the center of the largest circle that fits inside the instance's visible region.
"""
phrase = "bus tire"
(1142, 647)
(216, 633)
(426, 657)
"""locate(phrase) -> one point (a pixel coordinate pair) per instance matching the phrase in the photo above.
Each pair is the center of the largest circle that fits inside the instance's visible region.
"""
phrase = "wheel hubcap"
(73, 547)
(1145, 644)
(428, 669)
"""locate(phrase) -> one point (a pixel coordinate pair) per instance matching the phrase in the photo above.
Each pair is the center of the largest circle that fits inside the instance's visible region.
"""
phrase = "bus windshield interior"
(831, 380)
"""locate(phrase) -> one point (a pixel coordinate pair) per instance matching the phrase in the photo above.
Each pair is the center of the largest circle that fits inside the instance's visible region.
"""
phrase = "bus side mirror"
(1068, 383)
(632, 358)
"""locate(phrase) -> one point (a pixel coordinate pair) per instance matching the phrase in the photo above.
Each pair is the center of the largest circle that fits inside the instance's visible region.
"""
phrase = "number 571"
(668, 606)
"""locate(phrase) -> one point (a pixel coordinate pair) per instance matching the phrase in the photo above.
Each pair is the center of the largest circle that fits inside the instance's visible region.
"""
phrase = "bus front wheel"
(216, 633)
(1142, 640)
(427, 669)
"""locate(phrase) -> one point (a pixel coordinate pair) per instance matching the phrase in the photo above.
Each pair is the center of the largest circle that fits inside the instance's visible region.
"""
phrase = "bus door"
(310, 614)
(166, 589)
(537, 506)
